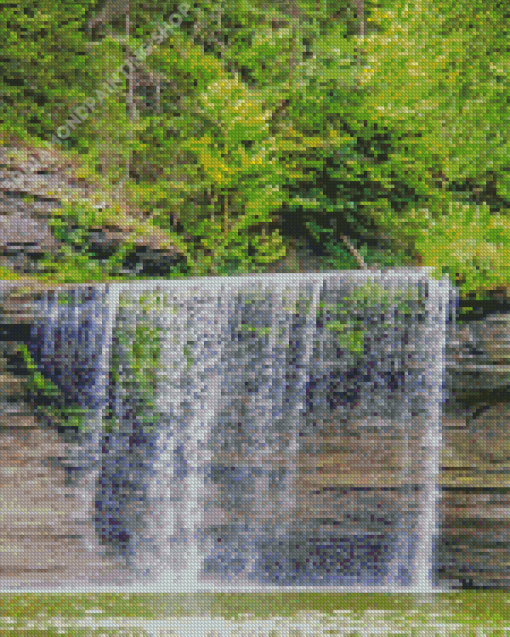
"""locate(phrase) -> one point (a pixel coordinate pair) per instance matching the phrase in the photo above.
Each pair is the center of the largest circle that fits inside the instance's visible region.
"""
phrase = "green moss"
(347, 326)
(187, 351)
(142, 346)
(36, 381)
(9, 275)
(348, 336)
(260, 331)
(47, 398)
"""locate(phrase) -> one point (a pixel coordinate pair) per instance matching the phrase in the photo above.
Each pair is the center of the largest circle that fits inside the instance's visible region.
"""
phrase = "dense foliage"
(256, 127)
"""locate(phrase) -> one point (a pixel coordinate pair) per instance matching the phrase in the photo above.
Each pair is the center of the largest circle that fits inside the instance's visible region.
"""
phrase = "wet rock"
(148, 255)
(23, 242)
(33, 182)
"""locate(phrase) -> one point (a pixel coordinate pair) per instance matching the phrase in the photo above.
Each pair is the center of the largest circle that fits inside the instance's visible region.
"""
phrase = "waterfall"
(105, 327)
(428, 520)
(245, 427)
(71, 343)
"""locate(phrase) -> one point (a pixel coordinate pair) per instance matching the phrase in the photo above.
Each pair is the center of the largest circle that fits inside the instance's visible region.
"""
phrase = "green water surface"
(474, 613)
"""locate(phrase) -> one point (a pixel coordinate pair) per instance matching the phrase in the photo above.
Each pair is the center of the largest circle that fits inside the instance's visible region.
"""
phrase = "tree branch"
(283, 105)
(359, 259)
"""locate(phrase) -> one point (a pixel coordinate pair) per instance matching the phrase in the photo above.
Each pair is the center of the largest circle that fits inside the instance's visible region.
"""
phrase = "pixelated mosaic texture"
(262, 430)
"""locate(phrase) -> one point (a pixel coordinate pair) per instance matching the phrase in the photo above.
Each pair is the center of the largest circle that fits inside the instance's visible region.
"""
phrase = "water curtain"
(266, 430)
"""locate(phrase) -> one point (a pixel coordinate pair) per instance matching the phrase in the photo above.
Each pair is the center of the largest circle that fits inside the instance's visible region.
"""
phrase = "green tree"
(436, 91)
(43, 64)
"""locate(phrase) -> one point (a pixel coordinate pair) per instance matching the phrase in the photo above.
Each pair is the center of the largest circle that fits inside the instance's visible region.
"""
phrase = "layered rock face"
(33, 183)
(475, 536)
(46, 519)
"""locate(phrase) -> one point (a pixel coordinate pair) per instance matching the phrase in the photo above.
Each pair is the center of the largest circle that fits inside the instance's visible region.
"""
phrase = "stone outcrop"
(24, 241)
(148, 255)
(33, 182)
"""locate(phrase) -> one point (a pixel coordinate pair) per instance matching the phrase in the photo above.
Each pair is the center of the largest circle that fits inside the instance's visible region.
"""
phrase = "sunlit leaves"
(469, 242)
(430, 73)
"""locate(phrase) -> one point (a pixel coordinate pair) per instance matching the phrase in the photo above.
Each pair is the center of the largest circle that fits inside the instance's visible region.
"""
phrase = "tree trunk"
(360, 11)
(225, 217)
(130, 96)
(359, 259)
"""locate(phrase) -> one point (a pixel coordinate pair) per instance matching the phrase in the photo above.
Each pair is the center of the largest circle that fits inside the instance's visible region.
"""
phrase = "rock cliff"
(33, 183)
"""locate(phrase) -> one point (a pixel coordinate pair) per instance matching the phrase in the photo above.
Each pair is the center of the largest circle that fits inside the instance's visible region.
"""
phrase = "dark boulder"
(150, 254)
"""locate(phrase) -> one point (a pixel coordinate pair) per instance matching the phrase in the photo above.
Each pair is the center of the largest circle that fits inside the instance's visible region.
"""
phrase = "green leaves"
(42, 63)
(47, 397)
(235, 159)
(141, 348)
(469, 242)
(348, 336)
(71, 224)
(256, 120)
(435, 79)
(269, 249)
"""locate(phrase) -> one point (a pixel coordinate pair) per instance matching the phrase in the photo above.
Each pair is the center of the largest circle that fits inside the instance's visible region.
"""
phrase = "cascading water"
(227, 406)
(71, 343)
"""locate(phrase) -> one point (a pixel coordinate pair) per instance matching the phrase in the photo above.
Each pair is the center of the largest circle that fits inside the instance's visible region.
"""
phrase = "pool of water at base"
(312, 624)
(471, 614)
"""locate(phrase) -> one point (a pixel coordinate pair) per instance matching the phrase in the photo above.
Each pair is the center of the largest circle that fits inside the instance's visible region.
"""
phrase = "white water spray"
(219, 488)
